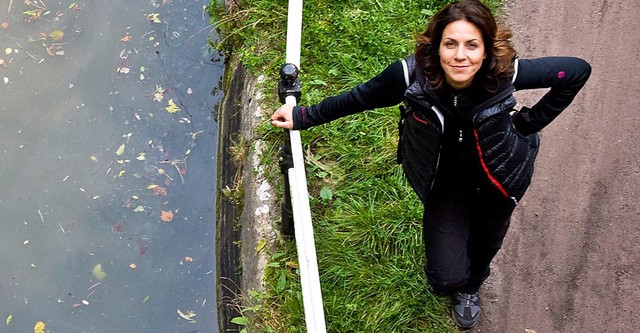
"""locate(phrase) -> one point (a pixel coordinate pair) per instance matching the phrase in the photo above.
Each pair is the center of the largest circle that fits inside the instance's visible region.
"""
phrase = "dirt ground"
(571, 260)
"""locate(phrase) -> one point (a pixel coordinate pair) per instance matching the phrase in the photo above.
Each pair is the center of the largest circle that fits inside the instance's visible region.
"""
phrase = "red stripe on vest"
(420, 120)
(486, 169)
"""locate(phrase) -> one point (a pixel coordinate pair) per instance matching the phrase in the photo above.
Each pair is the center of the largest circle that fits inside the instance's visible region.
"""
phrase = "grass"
(367, 220)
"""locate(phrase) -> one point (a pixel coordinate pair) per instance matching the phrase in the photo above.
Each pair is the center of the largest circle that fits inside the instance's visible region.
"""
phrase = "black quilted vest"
(506, 156)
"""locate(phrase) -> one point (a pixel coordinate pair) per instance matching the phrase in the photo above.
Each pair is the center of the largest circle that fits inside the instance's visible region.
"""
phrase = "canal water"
(107, 166)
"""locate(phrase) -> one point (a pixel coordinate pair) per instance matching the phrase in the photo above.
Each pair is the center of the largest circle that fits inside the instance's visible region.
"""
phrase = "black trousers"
(463, 231)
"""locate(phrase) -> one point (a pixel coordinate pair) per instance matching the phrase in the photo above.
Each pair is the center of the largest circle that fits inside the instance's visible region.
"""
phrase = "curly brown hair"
(500, 52)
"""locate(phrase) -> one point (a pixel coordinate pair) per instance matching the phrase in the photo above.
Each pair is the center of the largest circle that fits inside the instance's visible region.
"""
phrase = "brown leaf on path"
(167, 216)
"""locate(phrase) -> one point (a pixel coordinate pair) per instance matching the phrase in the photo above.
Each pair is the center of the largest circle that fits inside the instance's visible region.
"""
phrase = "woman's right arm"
(386, 89)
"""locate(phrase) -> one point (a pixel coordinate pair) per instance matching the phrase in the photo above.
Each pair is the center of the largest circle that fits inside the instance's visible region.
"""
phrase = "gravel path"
(570, 262)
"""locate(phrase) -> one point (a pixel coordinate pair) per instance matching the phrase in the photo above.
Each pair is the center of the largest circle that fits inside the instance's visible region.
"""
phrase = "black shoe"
(466, 309)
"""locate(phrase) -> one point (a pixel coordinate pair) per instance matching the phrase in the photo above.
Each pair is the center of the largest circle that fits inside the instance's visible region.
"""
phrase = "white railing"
(309, 276)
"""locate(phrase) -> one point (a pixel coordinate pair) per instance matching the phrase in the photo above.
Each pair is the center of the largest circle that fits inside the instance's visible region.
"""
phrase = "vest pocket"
(419, 148)
(506, 156)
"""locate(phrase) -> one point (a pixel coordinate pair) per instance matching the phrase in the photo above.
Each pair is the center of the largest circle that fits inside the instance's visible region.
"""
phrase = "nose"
(460, 55)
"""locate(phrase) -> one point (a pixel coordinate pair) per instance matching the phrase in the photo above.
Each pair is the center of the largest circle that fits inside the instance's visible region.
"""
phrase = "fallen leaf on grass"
(172, 108)
(39, 327)
(167, 216)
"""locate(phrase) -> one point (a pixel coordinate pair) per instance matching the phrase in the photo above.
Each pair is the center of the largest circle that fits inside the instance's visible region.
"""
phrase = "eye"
(472, 46)
(449, 44)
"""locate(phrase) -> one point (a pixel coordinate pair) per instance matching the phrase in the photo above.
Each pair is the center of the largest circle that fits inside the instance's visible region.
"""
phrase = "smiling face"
(461, 53)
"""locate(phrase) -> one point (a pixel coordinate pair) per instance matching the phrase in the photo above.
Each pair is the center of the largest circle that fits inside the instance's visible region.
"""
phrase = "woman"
(464, 149)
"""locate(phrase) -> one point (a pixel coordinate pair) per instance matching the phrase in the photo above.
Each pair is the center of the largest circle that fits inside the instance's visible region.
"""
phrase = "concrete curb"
(244, 224)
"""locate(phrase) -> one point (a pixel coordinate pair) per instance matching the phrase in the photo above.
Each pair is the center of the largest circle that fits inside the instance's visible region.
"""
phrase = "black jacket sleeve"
(386, 89)
(564, 75)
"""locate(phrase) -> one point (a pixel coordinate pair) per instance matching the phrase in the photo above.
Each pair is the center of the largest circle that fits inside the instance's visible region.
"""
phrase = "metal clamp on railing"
(289, 83)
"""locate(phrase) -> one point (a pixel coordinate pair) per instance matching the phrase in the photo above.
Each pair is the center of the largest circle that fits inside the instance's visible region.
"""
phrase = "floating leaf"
(139, 209)
(39, 327)
(9, 318)
(120, 150)
(172, 108)
(145, 299)
(141, 156)
(154, 18)
(167, 216)
(98, 272)
(189, 316)
(57, 35)
(72, 5)
(93, 158)
(158, 95)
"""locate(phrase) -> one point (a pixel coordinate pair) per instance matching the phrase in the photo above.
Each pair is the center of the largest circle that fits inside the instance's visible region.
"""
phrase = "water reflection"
(96, 170)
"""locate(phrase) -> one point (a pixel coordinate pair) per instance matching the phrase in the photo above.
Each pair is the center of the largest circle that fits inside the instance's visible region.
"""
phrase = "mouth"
(459, 68)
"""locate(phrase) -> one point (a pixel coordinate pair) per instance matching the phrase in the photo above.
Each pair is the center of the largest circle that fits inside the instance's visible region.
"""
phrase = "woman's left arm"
(564, 75)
